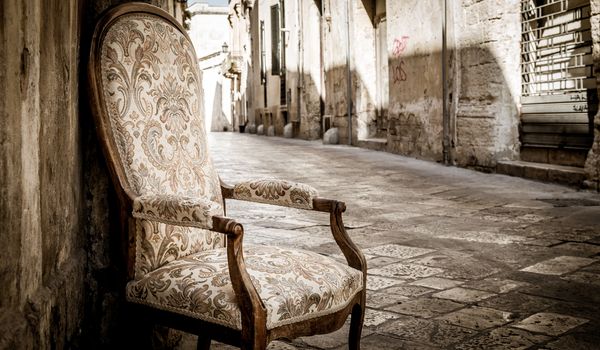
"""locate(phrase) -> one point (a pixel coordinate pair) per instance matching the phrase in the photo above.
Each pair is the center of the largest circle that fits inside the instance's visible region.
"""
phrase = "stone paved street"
(457, 259)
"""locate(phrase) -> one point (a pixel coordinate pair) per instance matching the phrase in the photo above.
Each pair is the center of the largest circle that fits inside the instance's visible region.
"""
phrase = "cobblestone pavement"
(457, 259)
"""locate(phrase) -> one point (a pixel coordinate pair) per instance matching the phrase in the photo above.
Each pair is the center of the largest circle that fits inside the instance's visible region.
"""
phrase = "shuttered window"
(275, 42)
(263, 55)
(559, 95)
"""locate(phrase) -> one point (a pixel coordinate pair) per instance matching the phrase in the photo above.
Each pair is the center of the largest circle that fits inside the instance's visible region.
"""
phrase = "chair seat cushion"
(294, 285)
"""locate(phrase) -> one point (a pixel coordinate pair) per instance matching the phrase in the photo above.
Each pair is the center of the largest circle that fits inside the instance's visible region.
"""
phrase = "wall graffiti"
(398, 73)
(400, 45)
(398, 48)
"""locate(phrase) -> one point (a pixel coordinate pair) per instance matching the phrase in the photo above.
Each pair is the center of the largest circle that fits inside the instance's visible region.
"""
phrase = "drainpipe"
(349, 75)
(445, 109)
(300, 60)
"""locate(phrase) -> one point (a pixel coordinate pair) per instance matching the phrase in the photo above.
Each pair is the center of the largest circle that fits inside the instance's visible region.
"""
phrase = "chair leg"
(356, 324)
(203, 343)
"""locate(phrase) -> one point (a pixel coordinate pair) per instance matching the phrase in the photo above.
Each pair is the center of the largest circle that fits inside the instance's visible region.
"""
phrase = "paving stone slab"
(503, 339)
(398, 251)
(463, 295)
(331, 340)
(406, 271)
(559, 265)
(477, 318)
(459, 265)
(542, 242)
(580, 310)
(286, 224)
(377, 317)
(584, 277)
(563, 290)
(377, 282)
(583, 249)
(496, 285)
(576, 341)
(550, 323)
(520, 303)
(437, 283)
(425, 307)
(379, 300)
(429, 332)
(484, 237)
(409, 291)
(379, 261)
(388, 342)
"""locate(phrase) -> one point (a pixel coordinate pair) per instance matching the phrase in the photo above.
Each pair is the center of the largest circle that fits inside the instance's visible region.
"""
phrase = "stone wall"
(592, 165)
(60, 267)
(487, 50)
(42, 263)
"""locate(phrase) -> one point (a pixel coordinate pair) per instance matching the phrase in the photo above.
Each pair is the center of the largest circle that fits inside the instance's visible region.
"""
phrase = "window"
(275, 41)
(263, 54)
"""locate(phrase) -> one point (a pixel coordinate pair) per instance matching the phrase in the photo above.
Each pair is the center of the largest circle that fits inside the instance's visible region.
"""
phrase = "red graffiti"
(398, 72)
(400, 45)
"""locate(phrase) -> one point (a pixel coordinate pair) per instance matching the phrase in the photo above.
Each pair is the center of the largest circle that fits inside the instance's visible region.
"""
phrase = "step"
(566, 175)
(374, 143)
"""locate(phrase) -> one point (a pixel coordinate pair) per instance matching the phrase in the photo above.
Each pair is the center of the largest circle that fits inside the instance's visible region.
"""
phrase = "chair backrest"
(146, 92)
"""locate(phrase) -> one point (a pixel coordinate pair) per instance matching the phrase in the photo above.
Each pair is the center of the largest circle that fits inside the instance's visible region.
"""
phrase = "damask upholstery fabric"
(158, 244)
(176, 210)
(153, 97)
(278, 192)
(294, 285)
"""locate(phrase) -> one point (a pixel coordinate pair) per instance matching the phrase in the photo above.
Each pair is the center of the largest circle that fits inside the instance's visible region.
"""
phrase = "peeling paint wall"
(59, 267)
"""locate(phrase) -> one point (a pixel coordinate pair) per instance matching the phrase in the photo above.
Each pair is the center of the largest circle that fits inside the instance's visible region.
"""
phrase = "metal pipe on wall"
(445, 109)
(349, 75)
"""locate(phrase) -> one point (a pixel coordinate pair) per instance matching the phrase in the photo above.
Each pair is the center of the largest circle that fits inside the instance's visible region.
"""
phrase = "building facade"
(209, 30)
(494, 86)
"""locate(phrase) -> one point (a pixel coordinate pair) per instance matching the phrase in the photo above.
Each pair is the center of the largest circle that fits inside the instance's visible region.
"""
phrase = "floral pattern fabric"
(294, 285)
(278, 192)
(176, 210)
(153, 96)
(158, 244)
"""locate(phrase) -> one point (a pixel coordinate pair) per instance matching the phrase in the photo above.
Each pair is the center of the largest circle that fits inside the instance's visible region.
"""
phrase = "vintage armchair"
(187, 266)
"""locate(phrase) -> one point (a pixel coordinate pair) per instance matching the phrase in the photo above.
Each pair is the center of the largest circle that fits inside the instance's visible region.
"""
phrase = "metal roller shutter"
(559, 97)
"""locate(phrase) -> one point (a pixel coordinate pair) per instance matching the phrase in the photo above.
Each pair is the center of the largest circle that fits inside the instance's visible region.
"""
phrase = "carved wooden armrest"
(310, 200)
(273, 191)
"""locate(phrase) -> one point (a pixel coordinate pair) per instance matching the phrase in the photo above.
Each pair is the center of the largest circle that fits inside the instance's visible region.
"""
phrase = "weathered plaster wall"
(336, 74)
(303, 59)
(592, 164)
(60, 264)
(42, 262)
(365, 76)
(487, 48)
(415, 76)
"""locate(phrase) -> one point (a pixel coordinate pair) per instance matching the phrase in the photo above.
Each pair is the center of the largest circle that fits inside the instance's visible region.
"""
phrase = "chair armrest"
(275, 192)
(176, 210)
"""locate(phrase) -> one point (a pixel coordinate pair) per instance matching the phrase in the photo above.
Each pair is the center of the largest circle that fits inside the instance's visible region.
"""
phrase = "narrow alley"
(457, 259)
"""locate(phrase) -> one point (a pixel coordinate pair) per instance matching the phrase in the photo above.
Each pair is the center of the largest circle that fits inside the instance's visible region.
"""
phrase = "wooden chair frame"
(254, 333)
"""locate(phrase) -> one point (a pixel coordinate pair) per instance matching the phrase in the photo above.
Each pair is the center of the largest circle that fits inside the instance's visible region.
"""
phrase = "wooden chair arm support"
(226, 190)
(354, 256)
(254, 312)
(253, 309)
